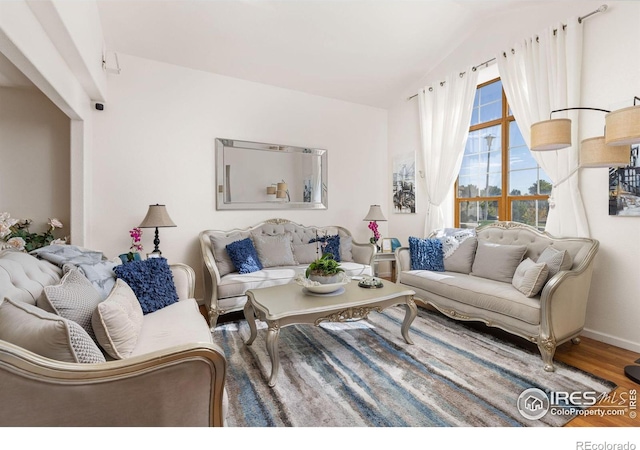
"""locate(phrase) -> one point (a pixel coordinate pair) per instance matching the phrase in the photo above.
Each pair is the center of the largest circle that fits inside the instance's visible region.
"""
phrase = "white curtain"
(445, 114)
(539, 75)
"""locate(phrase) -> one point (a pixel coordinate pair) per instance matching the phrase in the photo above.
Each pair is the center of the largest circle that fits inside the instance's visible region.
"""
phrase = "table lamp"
(157, 217)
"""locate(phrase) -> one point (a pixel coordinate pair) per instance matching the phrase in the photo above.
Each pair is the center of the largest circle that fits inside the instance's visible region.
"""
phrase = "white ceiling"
(362, 51)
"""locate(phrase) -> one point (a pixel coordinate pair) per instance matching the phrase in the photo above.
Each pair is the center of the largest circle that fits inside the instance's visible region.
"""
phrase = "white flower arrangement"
(15, 233)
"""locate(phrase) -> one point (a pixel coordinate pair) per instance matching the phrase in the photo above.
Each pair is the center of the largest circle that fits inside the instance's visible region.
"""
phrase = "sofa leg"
(547, 349)
(575, 340)
(213, 318)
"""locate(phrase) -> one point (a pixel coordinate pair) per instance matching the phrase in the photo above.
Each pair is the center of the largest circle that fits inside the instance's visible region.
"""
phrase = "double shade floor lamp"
(622, 129)
(157, 217)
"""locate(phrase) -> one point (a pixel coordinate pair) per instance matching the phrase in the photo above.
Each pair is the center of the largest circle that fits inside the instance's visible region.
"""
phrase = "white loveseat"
(174, 376)
(554, 315)
(225, 288)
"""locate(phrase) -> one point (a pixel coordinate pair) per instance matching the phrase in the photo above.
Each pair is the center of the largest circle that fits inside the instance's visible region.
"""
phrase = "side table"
(385, 256)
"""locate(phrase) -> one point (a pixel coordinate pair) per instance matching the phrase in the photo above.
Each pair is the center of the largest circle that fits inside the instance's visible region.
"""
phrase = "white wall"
(34, 145)
(611, 77)
(154, 143)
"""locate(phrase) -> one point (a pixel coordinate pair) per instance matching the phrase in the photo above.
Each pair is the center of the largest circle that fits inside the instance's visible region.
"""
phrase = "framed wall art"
(624, 187)
(404, 183)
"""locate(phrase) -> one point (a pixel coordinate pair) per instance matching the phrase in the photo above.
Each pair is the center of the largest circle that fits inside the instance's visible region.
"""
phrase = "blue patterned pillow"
(426, 254)
(152, 282)
(333, 245)
(244, 256)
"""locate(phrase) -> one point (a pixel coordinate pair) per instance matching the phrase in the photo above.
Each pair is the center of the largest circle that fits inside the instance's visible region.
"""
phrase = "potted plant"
(325, 270)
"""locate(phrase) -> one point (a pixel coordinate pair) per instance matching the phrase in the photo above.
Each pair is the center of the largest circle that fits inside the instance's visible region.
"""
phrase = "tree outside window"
(499, 179)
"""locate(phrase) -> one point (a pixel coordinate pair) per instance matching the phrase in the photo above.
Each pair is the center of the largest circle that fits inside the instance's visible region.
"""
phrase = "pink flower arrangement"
(373, 226)
(136, 236)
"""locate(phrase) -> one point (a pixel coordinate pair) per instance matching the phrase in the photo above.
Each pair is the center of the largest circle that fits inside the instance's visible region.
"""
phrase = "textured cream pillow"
(46, 334)
(530, 277)
(117, 321)
(497, 262)
(75, 298)
(556, 260)
(274, 250)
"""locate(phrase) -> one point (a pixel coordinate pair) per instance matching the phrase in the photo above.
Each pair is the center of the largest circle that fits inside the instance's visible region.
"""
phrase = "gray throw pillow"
(556, 260)
(461, 260)
(219, 248)
(497, 262)
(274, 251)
(530, 277)
(306, 253)
(346, 243)
(46, 334)
(74, 298)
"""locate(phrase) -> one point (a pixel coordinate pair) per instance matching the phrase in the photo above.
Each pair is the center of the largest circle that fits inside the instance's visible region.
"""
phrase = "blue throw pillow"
(333, 245)
(152, 282)
(426, 254)
(244, 256)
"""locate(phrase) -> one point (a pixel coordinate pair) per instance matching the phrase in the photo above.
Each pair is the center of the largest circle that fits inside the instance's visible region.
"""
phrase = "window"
(494, 184)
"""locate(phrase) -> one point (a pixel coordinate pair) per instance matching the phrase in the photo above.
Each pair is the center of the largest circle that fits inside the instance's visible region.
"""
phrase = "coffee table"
(290, 304)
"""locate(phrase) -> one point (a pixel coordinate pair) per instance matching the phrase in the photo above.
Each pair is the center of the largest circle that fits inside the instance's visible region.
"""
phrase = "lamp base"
(633, 373)
(156, 242)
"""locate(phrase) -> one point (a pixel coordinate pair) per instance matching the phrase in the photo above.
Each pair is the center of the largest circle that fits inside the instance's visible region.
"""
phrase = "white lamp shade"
(622, 127)
(594, 152)
(157, 216)
(551, 134)
(375, 214)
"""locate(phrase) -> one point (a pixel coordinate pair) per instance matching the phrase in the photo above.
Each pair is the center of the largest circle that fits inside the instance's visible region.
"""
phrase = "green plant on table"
(326, 266)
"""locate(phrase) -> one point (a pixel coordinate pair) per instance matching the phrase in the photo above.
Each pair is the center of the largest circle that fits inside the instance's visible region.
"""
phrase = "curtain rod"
(602, 8)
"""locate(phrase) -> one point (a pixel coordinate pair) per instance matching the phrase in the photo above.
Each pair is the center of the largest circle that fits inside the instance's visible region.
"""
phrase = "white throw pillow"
(275, 250)
(530, 277)
(556, 260)
(46, 334)
(75, 298)
(117, 321)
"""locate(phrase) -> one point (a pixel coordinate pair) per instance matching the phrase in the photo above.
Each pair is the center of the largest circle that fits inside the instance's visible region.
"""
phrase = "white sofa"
(225, 288)
(553, 316)
(174, 376)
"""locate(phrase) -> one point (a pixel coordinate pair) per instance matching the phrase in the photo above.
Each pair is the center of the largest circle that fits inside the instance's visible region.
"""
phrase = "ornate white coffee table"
(289, 304)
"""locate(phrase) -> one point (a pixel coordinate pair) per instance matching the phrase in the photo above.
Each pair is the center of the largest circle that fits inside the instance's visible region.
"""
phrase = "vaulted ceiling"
(362, 51)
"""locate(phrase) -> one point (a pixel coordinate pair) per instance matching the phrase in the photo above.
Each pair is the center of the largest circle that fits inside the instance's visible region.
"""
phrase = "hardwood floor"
(592, 356)
(605, 361)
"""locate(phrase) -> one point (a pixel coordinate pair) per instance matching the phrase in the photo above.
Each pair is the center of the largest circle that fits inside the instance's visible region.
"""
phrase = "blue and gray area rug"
(364, 374)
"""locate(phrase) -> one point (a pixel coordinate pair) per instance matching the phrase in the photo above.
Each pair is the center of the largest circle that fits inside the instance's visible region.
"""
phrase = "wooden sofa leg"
(547, 349)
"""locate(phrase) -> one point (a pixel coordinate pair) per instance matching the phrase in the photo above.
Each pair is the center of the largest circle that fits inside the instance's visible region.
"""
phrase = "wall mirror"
(254, 175)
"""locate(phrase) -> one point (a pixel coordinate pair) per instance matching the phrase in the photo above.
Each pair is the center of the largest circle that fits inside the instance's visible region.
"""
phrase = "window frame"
(505, 200)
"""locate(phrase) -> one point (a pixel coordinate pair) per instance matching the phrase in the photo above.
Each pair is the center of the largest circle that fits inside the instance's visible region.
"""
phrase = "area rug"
(362, 373)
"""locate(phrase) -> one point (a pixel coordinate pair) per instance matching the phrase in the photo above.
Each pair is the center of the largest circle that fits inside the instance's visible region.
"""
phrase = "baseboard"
(612, 340)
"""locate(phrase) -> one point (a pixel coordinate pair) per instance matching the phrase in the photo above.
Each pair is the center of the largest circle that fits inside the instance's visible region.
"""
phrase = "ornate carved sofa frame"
(559, 310)
(225, 292)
